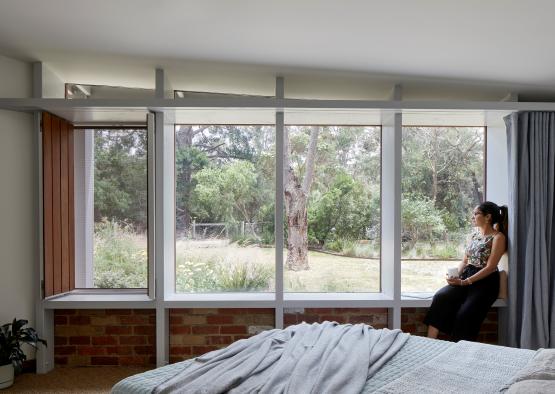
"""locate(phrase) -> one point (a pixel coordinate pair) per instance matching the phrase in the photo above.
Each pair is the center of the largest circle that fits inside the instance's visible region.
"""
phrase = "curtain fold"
(530, 316)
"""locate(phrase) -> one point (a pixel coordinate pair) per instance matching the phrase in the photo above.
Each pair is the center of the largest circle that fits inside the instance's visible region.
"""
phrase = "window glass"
(111, 208)
(332, 208)
(225, 201)
(442, 181)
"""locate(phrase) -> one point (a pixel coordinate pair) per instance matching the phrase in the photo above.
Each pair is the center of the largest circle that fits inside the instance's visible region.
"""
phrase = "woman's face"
(478, 218)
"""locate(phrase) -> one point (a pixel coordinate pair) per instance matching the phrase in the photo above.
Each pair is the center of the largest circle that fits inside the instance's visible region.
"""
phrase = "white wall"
(497, 166)
(17, 192)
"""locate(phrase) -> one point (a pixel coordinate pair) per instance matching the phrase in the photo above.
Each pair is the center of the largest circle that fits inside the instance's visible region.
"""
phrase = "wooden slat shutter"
(58, 202)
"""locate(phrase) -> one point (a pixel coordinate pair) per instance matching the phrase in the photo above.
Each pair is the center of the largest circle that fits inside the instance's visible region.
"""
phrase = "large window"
(225, 202)
(111, 208)
(332, 209)
(442, 180)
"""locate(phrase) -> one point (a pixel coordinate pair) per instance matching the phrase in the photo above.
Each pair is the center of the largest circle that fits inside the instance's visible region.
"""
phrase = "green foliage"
(12, 336)
(225, 193)
(421, 219)
(244, 277)
(208, 276)
(341, 212)
(120, 176)
(120, 256)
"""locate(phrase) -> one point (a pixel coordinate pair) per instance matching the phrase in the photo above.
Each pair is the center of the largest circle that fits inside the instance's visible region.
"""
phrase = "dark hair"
(498, 215)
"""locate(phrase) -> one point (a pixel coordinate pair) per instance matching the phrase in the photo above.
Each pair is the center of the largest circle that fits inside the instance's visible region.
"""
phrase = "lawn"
(327, 273)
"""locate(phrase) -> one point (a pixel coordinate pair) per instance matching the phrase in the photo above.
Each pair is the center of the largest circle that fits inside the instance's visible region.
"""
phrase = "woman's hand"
(454, 281)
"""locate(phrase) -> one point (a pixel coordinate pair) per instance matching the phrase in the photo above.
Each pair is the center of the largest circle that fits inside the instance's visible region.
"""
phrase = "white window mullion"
(391, 214)
(279, 206)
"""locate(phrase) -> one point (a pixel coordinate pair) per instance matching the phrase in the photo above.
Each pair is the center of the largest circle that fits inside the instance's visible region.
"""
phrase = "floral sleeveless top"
(479, 249)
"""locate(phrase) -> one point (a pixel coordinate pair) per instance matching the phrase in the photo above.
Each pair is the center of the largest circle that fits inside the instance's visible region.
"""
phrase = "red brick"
(80, 320)
(144, 311)
(180, 350)
(144, 330)
(289, 319)
(176, 319)
(144, 349)
(104, 340)
(66, 312)
(198, 350)
(60, 360)
(175, 330)
(80, 340)
(134, 319)
(260, 311)
(118, 330)
(91, 350)
(220, 340)
(339, 319)
(133, 360)
(219, 319)
(181, 311)
(63, 350)
(60, 320)
(232, 311)
(119, 350)
(239, 337)
(119, 312)
(104, 360)
(233, 330)
(60, 341)
(208, 329)
(132, 340)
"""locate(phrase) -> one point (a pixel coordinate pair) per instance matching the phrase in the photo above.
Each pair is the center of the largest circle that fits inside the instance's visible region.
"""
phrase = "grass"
(327, 273)
(217, 265)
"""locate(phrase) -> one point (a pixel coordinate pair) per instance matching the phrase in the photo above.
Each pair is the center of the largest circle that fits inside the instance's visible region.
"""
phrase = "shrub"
(120, 256)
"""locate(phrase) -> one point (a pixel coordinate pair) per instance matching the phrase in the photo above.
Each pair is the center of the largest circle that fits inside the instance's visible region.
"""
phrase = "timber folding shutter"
(58, 205)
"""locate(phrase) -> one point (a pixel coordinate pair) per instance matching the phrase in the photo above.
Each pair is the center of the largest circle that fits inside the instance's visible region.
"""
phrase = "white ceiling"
(498, 42)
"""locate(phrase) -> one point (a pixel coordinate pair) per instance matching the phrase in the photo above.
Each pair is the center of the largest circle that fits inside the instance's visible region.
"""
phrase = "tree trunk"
(296, 198)
(297, 229)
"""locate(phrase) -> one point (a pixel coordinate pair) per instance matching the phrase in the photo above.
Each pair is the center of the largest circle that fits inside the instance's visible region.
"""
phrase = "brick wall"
(104, 337)
(412, 322)
(197, 331)
(376, 317)
(127, 337)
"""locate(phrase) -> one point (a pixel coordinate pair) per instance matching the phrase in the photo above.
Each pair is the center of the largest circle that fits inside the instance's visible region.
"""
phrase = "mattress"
(415, 351)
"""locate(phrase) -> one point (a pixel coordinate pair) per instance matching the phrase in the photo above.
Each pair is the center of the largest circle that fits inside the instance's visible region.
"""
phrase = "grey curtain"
(530, 316)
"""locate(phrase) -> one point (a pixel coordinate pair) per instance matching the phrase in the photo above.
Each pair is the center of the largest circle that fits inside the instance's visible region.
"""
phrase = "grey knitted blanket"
(317, 358)
(466, 367)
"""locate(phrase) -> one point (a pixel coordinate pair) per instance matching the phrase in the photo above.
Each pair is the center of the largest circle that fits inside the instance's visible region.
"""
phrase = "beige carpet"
(72, 380)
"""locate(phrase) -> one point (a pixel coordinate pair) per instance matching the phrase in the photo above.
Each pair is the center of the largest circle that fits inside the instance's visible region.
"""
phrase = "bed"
(421, 365)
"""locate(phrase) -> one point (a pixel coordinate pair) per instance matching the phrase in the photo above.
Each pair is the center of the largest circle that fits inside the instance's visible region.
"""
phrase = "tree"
(120, 176)
(342, 211)
(226, 193)
(296, 194)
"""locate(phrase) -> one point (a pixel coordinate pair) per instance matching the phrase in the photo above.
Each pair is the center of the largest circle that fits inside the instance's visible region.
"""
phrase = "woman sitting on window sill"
(460, 307)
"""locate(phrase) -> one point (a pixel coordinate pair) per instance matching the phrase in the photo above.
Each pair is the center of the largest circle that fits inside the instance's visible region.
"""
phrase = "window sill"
(424, 300)
(222, 300)
(99, 300)
(345, 300)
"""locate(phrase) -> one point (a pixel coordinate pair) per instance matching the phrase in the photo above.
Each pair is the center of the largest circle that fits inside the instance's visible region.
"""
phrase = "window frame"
(148, 128)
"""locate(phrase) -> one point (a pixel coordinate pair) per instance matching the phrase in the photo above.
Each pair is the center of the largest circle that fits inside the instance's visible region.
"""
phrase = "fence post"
(194, 229)
(243, 228)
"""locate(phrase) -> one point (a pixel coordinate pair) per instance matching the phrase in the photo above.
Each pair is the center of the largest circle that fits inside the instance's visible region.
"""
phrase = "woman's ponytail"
(503, 224)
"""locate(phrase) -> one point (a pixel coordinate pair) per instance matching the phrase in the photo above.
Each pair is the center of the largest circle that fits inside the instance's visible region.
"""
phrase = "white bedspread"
(466, 367)
(317, 358)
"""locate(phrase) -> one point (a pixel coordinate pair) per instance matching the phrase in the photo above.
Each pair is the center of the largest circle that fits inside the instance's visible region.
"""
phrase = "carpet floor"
(91, 380)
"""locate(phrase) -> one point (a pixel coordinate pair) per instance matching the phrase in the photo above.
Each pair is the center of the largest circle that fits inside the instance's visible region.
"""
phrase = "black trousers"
(460, 310)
